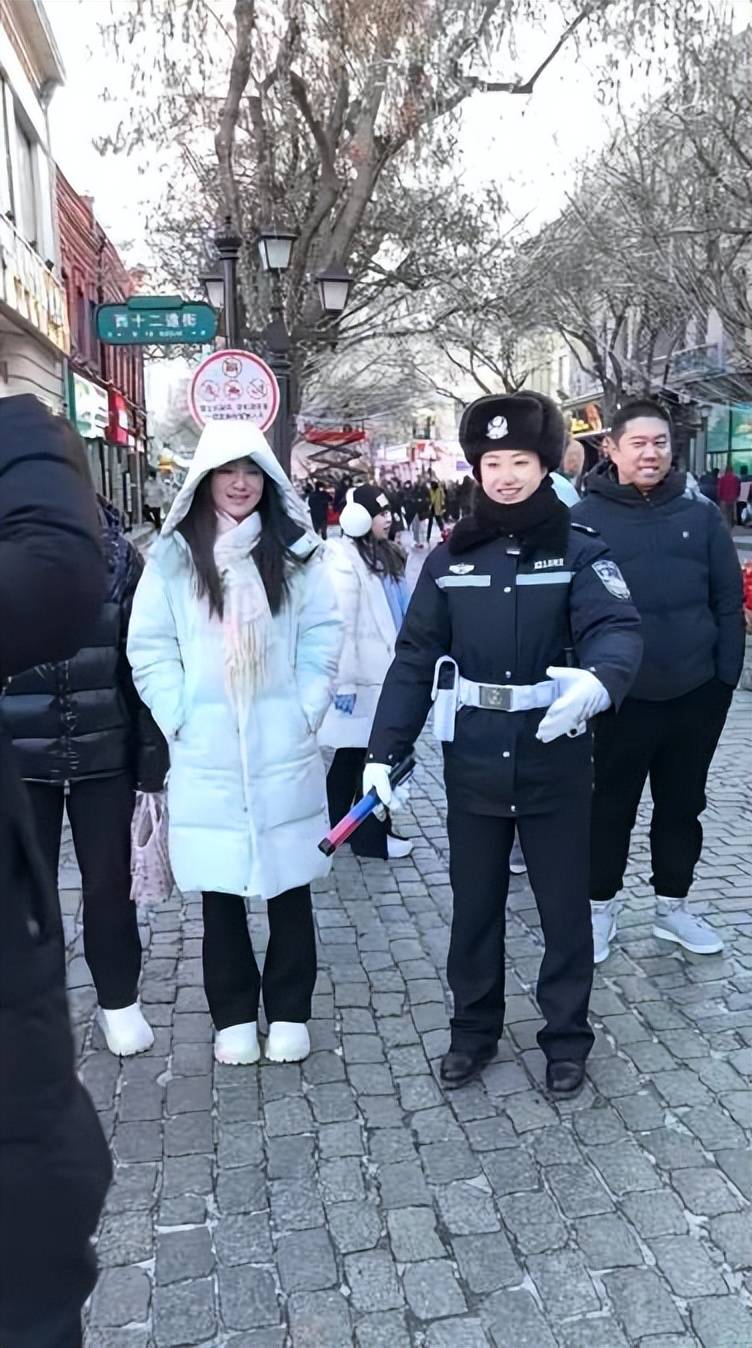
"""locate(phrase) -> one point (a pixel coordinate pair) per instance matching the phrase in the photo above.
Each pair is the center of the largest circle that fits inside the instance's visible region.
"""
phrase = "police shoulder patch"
(610, 576)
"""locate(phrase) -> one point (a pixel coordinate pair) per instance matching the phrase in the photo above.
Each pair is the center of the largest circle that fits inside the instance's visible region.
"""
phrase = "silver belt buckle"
(496, 697)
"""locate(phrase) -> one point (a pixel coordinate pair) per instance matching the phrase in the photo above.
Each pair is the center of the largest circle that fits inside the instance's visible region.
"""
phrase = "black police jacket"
(680, 564)
(81, 718)
(54, 1164)
(504, 610)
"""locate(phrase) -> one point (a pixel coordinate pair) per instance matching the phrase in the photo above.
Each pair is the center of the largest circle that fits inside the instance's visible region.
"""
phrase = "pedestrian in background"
(319, 502)
(54, 1163)
(437, 507)
(729, 487)
(154, 498)
(234, 642)
(682, 570)
(368, 573)
(745, 485)
(84, 743)
(518, 632)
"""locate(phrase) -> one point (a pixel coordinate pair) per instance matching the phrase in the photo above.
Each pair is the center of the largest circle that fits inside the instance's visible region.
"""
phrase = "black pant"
(100, 811)
(61, 1331)
(673, 744)
(231, 975)
(439, 520)
(556, 853)
(154, 515)
(343, 787)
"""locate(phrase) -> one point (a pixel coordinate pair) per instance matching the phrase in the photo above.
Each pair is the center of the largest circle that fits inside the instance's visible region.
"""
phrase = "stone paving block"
(244, 1239)
(238, 1106)
(419, 1092)
(555, 1146)
(242, 1190)
(287, 1116)
(578, 1190)
(138, 1142)
(121, 1297)
(413, 1236)
(371, 1079)
(510, 1171)
(715, 1130)
(322, 1068)
(133, 1188)
(624, 1167)
(455, 1333)
(125, 1239)
(186, 1175)
(446, 1161)
(354, 1226)
(705, 1191)
(290, 1157)
(739, 1105)
(362, 1048)
(533, 1221)
(305, 1261)
(381, 1111)
(386, 1329)
(598, 1126)
(188, 1095)
(318, 1318)
(183, 1255)
(687, 1267)
(247, 1297)
(563, 1283)
(333, 1103)
(673, 1150)
(186, 1211)
(296, 1204)
(191, 1059)
(486, 1262)
(529, 1110)
(188, 1134)
(738, 1166)
(184, 1314)
(607, 1242)
(602, 1332)
(372, 1278)
(432, 1290)
(403, 1185)
(721, 1322)
(642, 1303)
(515, 1321)
(387, 1145)
(732, 1234)
(341, 1180)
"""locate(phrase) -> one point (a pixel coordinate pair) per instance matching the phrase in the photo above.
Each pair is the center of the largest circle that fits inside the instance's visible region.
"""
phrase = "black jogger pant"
(439, 520)
(556, 852)
(231, 975)
(343, 787)
(672, 743)
(100, 810)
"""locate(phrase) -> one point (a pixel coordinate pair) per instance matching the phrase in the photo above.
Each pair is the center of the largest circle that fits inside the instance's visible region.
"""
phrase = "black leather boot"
(458, 1066)
(565, 1078)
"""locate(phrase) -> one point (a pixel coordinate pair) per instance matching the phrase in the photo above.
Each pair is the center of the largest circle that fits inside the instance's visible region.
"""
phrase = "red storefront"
(93, 273)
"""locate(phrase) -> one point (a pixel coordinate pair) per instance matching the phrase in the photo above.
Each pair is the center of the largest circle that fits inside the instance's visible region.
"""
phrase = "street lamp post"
(275, 251)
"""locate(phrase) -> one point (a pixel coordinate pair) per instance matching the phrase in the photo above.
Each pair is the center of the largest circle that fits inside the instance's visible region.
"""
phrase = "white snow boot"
(674, 922)
(604, 928)
(237, 1044)
(288, 1041)
(126, 1031)
(397, 847)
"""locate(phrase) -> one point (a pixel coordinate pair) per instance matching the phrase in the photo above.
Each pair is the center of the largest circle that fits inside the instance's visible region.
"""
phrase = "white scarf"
(247, 624)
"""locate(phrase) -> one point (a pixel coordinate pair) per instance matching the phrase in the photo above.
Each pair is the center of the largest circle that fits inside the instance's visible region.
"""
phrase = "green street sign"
(156, 320)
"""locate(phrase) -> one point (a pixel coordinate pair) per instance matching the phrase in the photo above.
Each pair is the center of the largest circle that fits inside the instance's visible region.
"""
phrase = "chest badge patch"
(546, 563)
(610, 575)
(462, 568)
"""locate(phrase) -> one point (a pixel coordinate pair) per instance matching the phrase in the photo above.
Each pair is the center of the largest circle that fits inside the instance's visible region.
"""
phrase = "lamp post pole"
(228, 248)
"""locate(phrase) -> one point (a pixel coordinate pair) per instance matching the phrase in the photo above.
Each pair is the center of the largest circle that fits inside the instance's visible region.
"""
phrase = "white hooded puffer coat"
(246, 790)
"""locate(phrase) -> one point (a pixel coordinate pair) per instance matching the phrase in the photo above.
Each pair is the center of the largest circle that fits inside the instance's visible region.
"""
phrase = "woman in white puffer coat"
(234, 640)
(369, 577)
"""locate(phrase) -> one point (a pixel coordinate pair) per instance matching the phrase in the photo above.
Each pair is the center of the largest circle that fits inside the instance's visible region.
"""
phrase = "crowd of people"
(561, 678)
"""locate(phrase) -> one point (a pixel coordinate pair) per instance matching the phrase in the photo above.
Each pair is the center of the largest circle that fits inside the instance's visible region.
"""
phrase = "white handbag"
(151, 873)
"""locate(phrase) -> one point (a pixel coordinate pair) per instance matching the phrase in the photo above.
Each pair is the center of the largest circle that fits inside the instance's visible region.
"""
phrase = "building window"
(27, 207)
(6, 111)
(79, 334)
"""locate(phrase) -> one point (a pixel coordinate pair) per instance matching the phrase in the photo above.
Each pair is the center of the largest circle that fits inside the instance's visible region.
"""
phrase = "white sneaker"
(517, 863)
(674, 922)
(604, 928)
(288, 1041)
(398, 847)
(237, 1045)
(126, 1031)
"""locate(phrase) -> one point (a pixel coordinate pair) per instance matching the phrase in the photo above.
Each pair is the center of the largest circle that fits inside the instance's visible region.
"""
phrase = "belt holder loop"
(445, 698)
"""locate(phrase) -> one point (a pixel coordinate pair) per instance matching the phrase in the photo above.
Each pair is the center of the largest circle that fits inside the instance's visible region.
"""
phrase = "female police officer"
(520, 629)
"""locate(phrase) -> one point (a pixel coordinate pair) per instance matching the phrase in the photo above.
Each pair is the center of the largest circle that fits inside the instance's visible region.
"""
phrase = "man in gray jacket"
(681, 568)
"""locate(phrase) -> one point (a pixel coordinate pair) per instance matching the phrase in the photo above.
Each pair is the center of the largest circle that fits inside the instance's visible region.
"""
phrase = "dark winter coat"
(505, 612)
(681, 566)
(82, 718)
(318, 504)
(54, 1164)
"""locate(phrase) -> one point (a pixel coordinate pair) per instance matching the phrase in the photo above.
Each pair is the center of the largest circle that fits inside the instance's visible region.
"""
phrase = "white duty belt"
(460, 692)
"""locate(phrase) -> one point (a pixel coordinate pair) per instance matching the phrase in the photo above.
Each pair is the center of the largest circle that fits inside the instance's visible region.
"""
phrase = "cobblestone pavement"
(349, 1202)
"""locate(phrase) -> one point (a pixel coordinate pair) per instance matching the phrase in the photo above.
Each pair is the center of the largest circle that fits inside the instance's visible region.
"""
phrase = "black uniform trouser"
(100, 810)
(232, 980)
(672, 743)
(60, 1331)
(556, 852)
(343, 787)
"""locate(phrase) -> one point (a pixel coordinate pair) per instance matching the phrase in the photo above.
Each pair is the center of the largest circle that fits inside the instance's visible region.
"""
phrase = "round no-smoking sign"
(234, 386)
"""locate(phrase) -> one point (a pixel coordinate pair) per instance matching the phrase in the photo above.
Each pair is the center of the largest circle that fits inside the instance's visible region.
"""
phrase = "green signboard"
(156, 320)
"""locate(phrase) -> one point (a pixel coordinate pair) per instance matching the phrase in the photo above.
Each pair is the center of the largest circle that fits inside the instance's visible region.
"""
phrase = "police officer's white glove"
(581, 696)
(376, 776)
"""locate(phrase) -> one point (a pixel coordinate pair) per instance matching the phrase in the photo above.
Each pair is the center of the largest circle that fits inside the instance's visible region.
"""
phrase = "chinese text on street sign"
(156, 320)
(234, 386)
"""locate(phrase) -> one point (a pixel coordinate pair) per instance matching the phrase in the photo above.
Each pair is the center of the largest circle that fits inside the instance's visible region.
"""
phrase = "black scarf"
(539, 524)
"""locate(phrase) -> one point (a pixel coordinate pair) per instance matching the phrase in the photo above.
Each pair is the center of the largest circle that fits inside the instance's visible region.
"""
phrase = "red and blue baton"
(361, 810)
